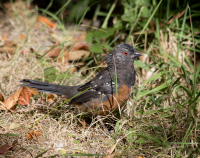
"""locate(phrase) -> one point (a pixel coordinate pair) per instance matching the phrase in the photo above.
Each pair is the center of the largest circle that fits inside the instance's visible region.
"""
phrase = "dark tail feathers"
(41, 86)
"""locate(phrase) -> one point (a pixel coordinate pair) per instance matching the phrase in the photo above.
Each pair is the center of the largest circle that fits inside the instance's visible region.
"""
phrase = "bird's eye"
(125, 53)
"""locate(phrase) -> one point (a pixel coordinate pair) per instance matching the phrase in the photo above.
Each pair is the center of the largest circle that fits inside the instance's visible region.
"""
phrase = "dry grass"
(145, 127)
(62, 131)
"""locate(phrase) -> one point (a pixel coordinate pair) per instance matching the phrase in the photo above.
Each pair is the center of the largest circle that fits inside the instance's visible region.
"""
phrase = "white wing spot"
(100, 77)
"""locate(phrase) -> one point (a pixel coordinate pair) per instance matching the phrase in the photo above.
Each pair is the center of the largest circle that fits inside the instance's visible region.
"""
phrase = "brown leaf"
(79, 36)
(64, 59)
(81, 46)
(1, 97)
(25, 96)
(32, 134)
(51, 98)
(7, 50)
(79, 51)
(177, 17)
(180, 14)
(54, 51)
(46, 21)
(33, 91)
(78, 55)
(12, 100)
(4, 148)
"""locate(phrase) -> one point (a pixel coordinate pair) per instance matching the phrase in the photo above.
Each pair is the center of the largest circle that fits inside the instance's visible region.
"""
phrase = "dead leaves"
(78, 52)
(12, 100)
(21, 96)
(47, 22)
(1, 97)
(33, 134)
(25, 95)
(5, 148)
(176, 16)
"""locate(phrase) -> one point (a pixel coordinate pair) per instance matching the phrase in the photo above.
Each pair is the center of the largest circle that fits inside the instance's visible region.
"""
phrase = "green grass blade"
(161, 87)
(105, 23)
(148, 21)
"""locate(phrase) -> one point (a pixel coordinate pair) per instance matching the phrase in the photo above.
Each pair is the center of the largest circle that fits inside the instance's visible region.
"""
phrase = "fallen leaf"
(65, 58)
(57, 51)
(4, 148)
(177, 17)
(12, 100)
(51, 98)
(1, 97)
(25, 96)
(54, 51)
(2, 106)
(7, 49)
(14, 125)
(33, 91)
(32, 134)
(46, 21)
(78, 55)
(79, 51)
(81, 46)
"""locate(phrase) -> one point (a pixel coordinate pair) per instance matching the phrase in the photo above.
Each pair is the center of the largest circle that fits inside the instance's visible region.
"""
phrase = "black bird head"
(123, 54)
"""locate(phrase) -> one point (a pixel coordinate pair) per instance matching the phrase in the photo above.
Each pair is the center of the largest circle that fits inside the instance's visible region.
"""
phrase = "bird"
(107, 91)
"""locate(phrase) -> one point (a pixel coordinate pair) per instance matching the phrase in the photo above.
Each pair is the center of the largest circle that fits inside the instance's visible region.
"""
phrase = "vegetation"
(162, 117)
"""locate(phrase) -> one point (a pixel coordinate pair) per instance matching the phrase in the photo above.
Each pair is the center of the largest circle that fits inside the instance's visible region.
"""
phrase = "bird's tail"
(41, 86)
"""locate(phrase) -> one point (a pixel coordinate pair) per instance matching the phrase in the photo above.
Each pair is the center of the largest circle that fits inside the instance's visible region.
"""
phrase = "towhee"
(107, 91)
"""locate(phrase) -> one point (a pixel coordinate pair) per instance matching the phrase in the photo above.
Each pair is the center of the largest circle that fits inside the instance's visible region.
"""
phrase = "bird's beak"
(137, 54)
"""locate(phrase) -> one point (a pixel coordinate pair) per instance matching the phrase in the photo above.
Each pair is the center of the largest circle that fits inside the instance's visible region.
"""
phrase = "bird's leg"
(103, 125)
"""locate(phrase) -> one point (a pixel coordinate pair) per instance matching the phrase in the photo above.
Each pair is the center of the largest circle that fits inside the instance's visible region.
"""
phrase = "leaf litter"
(25, 40)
